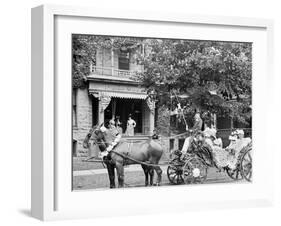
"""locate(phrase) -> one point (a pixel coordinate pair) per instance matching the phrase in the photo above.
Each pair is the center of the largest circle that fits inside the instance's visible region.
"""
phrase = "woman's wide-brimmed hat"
(240, 132)
(210, 132)
(232, 137)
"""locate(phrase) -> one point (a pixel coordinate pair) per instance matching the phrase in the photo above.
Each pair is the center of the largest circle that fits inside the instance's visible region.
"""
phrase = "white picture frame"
(52, 198)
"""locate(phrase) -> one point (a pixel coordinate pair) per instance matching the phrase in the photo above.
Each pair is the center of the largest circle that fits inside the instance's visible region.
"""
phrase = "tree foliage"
(209, 73)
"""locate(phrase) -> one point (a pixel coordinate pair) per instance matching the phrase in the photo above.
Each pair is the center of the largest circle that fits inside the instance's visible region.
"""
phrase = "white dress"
(224, 157)
(131, 124)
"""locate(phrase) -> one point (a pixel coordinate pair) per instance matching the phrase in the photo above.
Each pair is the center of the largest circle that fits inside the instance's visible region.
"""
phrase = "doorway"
(122, 108)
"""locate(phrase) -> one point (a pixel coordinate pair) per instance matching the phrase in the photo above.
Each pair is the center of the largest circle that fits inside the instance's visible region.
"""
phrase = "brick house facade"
(112, 92)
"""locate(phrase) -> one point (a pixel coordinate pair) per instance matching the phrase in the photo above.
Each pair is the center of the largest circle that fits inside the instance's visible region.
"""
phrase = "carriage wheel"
(246, 166)
(234, 174)
(175, 172)
(195, 171)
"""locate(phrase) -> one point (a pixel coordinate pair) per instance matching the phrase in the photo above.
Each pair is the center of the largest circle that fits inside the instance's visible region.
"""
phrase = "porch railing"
(110, 71)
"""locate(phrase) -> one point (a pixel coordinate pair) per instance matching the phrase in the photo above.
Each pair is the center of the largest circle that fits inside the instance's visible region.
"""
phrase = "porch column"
(151, 106)
(101, 113)
(113, 108)
(103, 103)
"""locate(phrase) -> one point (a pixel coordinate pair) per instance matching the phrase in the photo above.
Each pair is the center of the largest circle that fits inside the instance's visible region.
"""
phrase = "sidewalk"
(134, 177)
(213, 175)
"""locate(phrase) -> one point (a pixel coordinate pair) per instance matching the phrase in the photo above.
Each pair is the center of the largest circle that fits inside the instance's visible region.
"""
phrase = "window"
(124, 61)
(74, 107)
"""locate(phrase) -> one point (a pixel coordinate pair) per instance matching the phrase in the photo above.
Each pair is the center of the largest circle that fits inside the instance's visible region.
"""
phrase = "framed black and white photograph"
(139, 108)
(179, 109)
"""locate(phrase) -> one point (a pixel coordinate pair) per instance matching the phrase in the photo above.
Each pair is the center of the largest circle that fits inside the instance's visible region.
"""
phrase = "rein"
(126, 157)
(134, 160)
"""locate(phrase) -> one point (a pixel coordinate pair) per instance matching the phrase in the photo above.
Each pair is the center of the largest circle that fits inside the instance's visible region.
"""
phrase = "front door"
(125, 107)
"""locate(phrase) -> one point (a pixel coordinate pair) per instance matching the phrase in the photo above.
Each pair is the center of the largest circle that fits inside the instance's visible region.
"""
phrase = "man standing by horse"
(115, 133)
(146, 153)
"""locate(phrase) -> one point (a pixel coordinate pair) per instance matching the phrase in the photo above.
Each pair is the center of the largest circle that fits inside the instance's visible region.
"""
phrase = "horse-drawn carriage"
(192, 166)
(189, 167)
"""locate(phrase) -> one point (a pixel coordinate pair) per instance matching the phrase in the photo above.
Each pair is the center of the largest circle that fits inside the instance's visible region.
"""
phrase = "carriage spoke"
(173, 174)
(178, 179)
(174, 177)
(246, 166)
(250, 175)
(234, 174)
(194, 171)
(181, 178)
(237, 173)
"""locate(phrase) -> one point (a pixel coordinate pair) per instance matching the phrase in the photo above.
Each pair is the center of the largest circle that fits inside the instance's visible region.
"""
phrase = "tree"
(210, 73)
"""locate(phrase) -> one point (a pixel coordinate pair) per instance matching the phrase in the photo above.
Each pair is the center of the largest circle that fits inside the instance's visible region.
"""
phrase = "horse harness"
(125, 156)
(128, 153)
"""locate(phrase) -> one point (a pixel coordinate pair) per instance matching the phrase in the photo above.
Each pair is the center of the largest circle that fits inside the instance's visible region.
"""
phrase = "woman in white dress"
(229, 156)
(131, 124)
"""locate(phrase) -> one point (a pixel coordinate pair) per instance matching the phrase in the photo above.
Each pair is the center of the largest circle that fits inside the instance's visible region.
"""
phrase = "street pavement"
(134, 177)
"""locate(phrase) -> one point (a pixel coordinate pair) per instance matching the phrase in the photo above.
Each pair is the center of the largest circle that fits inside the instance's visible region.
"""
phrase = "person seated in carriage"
(198, 136)
(210, 135)
(237, 141)
(210, 148)
(228, 157)
(197, 127)
(233, 137)
(211, 144)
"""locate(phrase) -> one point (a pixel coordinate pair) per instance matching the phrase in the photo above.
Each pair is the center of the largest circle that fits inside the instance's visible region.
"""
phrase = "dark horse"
(125, 153)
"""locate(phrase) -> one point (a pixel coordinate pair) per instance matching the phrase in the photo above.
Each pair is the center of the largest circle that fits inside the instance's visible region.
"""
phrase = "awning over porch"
(124, 95)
